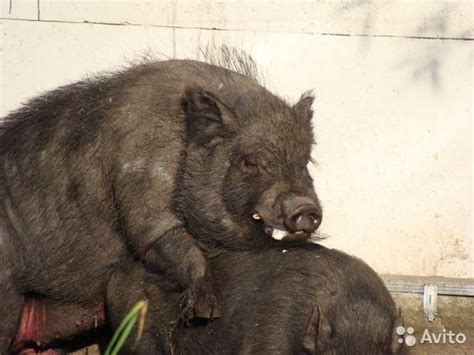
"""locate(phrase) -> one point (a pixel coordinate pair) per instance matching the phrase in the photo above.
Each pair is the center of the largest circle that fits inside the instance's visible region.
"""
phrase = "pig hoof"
(208, 308)
(199, 303)
(187, 305)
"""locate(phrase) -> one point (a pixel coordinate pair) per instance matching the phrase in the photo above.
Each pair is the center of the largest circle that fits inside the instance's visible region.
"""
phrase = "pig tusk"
(256, 216)
(278, 234)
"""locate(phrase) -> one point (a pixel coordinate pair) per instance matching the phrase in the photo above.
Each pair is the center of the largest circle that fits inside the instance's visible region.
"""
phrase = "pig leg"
(126, 288)
(177, 255)
(11, 303)
(161, 240)
(11, 300)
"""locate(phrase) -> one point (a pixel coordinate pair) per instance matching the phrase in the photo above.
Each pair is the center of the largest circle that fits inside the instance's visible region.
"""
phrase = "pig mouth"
(279, 233)
(284, 235)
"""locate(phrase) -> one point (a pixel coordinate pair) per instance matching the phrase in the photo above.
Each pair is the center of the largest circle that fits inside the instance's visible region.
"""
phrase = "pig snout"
(289, 217)
(301, 215)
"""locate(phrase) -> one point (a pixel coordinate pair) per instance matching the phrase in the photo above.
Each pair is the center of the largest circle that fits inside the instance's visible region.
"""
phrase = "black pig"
(300, 300)
(161, 163)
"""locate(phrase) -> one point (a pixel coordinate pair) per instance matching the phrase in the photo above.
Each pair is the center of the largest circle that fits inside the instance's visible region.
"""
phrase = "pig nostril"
(305, 221)
(313, 219)
(297, 219)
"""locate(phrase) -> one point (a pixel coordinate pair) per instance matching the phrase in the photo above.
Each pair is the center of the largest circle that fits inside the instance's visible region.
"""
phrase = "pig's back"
(58, 157)
(269, 298)
(62, 151)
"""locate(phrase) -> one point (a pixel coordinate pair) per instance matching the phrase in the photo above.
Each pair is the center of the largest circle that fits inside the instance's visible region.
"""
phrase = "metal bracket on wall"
(430, 288)
(416, 284)
(430, 301)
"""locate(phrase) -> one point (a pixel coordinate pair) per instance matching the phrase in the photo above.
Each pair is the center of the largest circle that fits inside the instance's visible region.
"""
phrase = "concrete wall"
(394, 87)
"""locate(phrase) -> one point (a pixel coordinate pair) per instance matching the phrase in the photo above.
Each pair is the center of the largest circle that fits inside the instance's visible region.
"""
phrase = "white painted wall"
(394, 87)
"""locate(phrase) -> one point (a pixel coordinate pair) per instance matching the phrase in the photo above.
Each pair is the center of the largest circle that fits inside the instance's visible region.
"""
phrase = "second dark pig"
(306, 299)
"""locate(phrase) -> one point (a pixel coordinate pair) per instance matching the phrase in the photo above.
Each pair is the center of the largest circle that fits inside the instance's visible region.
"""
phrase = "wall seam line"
(335, 34)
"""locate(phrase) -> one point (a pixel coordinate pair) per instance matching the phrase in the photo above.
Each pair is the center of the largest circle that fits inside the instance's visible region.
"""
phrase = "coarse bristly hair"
(234, 59)
(91, 173)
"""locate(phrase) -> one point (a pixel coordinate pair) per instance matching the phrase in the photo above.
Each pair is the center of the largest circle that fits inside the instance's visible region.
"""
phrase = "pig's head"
(245, 167)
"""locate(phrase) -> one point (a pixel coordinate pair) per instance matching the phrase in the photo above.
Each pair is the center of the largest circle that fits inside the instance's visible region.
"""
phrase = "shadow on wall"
(426, 64)
(368, 10)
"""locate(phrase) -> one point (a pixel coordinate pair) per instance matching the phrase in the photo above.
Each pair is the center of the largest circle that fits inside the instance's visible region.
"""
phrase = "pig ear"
(312, 332)
(303, 108)
(395, 346)
(204, 116)
(324, 331)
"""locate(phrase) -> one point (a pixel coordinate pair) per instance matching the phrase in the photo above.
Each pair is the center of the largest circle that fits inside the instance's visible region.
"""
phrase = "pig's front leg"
(157, 237)
(176, 255)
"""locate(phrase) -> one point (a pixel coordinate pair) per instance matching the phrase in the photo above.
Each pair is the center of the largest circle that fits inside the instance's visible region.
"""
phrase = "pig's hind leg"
(127, 287)
(11, 304)
(11, 299)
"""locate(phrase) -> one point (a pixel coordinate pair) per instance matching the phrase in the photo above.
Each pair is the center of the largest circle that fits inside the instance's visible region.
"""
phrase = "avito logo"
(407, 336)
(445, 337)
